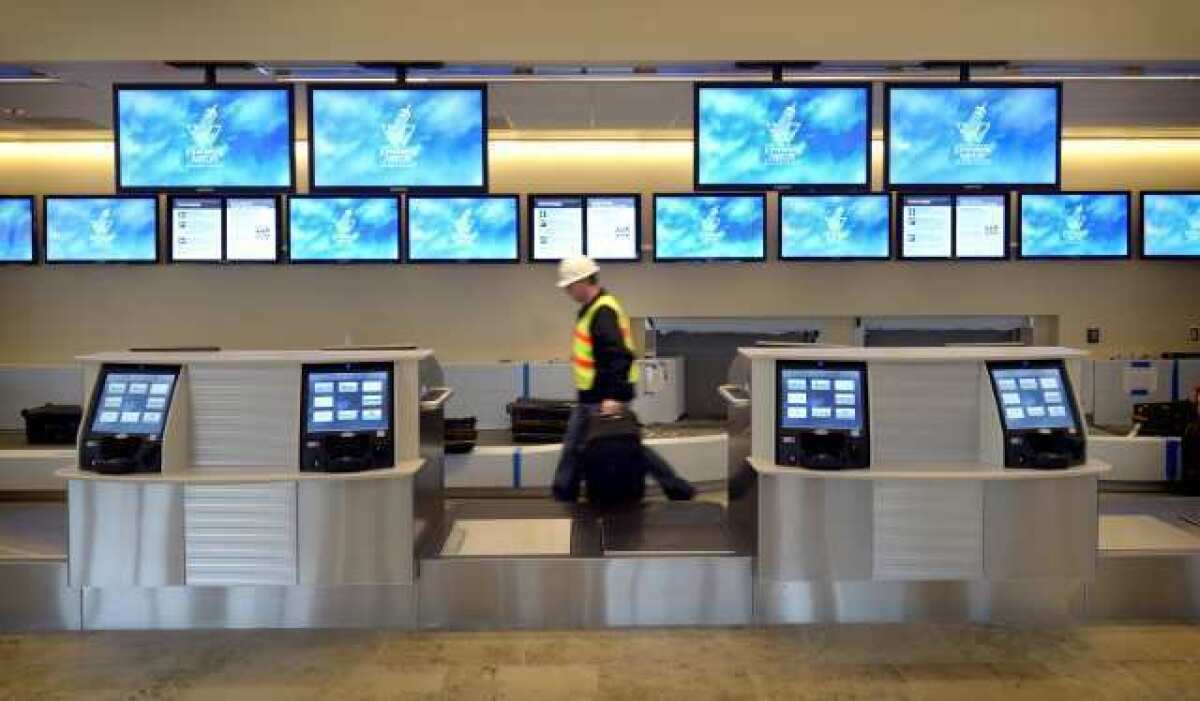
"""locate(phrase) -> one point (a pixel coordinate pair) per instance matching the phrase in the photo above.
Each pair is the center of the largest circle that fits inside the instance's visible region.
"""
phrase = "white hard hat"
(575, 269)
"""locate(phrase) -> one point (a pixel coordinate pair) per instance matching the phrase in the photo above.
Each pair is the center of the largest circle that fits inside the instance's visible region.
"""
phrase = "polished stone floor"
(1146, 661)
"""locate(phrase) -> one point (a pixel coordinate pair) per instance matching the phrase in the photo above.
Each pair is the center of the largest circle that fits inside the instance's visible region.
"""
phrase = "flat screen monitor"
(343, 229)
(374, 137)
(348, 401)
(822, 399)
(555, 227)
(185, 137)
(16, 230)
(1037, 397)
(195, 229)
(981, 226)
(758, 136)
(1171, 224)
(691, 227)
(1074, 225)
(835, 227)
(252, 229)
(133, 402)
(926, 226)
(448, 229)
(612, 227)
(973, 136)
(101, 229)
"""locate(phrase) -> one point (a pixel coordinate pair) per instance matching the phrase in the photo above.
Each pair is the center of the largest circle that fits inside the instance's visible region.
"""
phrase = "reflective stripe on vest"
(583, 358)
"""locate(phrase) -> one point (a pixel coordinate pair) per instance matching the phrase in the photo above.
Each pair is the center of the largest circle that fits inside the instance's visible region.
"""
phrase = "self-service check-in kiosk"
(822, 419)
(347, 417)
(126, 421)
(1038, 415)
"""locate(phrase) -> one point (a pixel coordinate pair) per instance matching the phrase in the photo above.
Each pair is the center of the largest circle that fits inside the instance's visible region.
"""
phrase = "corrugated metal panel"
(244, 416)
(240, 534)
(928, 531)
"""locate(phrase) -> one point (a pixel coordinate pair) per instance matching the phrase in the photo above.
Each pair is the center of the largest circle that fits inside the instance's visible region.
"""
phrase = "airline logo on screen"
(1076, 225)
(206, 150)
(1193, 232)
(782, 147)
(344, 229)
(465, 235)
(972, 149)
(710, 226)
(102, 229)
(400, 151)
(835, 225)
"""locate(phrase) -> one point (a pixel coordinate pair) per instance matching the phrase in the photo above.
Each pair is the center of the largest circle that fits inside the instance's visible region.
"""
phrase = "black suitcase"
(52, 424)
(539, 420)
(614, 467)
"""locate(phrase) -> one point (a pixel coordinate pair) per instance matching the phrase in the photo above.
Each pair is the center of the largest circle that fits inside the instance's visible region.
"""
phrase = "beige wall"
(49, 314)
(587, 30)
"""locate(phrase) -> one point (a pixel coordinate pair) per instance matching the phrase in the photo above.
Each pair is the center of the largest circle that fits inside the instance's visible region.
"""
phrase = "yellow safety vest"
(583, 358)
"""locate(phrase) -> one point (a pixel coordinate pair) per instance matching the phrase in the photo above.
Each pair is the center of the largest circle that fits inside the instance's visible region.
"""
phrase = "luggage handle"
(443, 394)
(727, 393)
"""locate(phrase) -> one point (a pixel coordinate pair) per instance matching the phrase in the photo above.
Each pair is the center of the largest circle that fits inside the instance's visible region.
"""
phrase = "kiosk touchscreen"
(127, 417)
(1037, 414)
(822, 421)
(347, 417)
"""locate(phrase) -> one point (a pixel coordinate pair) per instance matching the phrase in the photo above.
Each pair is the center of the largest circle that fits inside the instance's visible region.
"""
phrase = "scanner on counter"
(822, 415)
(127, 417)
(1038, 415)
(348, 424)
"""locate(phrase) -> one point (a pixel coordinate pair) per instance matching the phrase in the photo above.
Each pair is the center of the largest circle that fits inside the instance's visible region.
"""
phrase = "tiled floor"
(1151, 661)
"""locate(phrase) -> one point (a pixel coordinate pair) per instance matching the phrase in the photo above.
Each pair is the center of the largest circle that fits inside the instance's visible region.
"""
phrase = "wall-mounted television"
(1171, 224)
(555, 227)
(1074, 225)
(371, 137)
(252, 226)
(195, 230)
(613, 227)
(953, 226)
(462, 229)
(330, 229)
(201, 137)
(17, 240)
(100, 229)
(973, 136)
(700, 227)
(792, 135)
(835, 227)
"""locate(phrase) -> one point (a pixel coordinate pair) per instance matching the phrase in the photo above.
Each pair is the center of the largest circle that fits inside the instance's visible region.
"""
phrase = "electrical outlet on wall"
(1193, 335)
(1093, 334)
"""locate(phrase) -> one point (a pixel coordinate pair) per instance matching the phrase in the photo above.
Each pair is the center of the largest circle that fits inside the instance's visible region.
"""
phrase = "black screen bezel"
(1076, 418)
(701, 259)
(1142, 226)
(370, 366)
(826, 259)
(97, 261)
(460, 261)
(1128, 225)
(116, 368)
(34, 242)
(347, 261)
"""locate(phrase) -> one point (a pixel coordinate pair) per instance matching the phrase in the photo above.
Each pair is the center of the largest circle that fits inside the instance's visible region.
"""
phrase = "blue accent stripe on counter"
(525, 380)
(1171, 459)
(516, 482)
(1175, 380)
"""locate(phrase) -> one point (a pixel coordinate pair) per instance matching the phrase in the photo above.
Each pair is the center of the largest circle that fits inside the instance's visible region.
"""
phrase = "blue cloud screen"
(398, 137)
(1079, 225)
(782, 136)
(204, 138)
(101, 229)
(835, 226)
(973, 136)
(462, 228)
(708, 227)
(16, 230)
(1171, 224)
(344, 228)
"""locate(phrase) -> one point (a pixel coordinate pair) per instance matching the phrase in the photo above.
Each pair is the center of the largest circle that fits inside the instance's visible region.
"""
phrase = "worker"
(602, 363)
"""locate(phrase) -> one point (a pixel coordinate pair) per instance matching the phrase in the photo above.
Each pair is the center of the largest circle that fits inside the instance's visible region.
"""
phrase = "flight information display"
(1074, 225)
(964, 136)
(392, 137)
(1171, 224)
(926, 226)
(709, 227)
(979, 226)
(344, 229)
(204, 137)
(611, 227)
(16, 230)
(557, 227)
(251, 229)
(835, 226)
(1032, 398)
(463, 229)
(815, 398)
(348, 401)
(133, 403)
(755, 135)
(196, 229)
(101, 229)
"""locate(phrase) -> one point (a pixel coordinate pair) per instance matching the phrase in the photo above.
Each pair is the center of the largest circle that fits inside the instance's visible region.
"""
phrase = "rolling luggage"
(613, 462)
(539, 420)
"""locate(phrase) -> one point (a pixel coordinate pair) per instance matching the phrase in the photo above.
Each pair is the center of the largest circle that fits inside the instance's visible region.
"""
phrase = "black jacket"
(612, 358)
